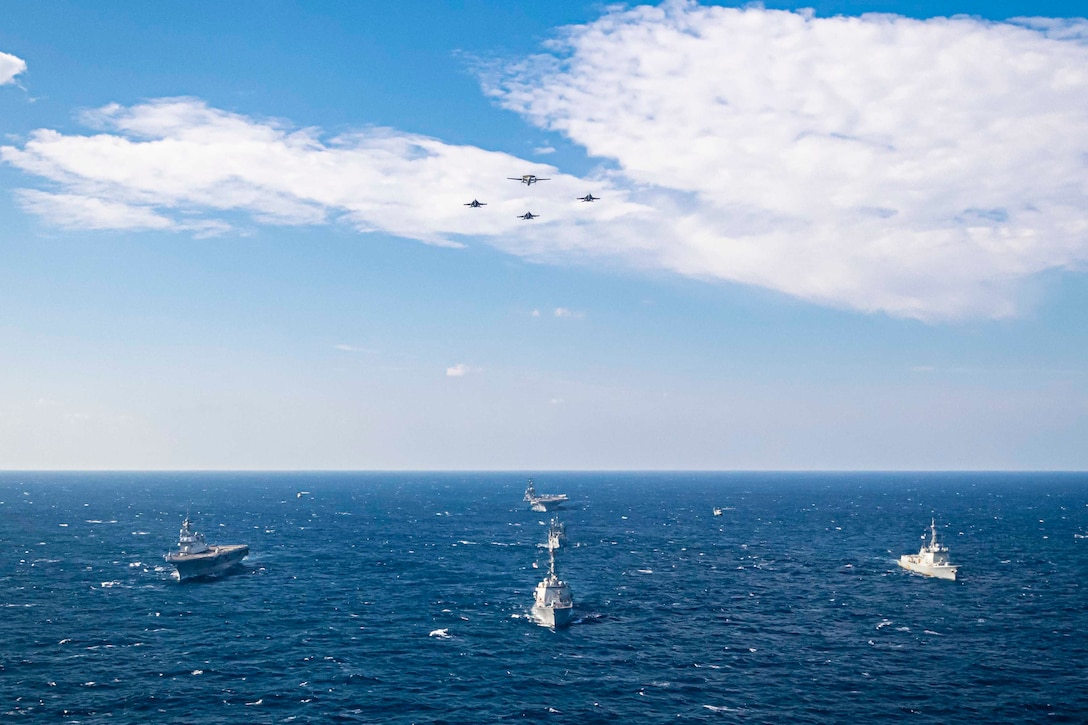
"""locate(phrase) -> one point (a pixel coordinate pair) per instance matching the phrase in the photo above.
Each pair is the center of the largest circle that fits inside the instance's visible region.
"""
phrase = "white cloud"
(919, 168)
(79, 211)
(10, 66)
(166, 163)
(460, 370)
(567, 312)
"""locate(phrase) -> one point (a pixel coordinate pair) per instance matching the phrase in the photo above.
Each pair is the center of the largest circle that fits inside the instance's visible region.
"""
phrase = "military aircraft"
(476, 204)
(588, 197)
(528, 215)
(527, 179)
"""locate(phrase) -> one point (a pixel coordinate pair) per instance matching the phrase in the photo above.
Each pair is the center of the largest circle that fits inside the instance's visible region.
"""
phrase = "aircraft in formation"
(527, 179)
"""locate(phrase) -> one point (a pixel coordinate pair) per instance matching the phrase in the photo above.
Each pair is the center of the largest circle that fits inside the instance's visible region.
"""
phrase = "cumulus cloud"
(917, 167)
(567, 312)
(460, 370)
(921, 168)
(167, 163)
(10, 66)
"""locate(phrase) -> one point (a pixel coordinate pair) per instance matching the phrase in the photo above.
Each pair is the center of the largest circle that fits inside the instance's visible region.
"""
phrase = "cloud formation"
(917, 167)
(10, 66)
(180, 164)
(923, 169)
(460, 370)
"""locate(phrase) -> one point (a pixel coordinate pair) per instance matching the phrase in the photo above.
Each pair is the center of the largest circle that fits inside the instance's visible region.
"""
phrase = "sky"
(841, 236)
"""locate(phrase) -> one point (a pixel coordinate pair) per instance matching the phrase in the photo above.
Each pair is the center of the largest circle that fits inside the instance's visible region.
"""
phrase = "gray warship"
(547, 502)
(932, 559)
(196, 558)
(553, 605)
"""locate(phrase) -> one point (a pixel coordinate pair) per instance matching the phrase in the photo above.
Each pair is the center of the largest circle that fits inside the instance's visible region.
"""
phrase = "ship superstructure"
(195, 557)
(931, 559)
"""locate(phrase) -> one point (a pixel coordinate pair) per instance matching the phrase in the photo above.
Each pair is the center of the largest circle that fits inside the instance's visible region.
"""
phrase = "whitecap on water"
(197, 672)
(107, 585)
(440, 633)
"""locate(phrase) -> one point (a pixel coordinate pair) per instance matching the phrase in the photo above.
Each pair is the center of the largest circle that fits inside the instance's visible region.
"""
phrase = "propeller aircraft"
(527, 179)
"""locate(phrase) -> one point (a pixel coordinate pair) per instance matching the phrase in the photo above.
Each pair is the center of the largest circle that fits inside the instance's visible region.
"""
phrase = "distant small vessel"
(932, 559)
(547, 502)
(717, 511)
(553, 605)
(196, 558)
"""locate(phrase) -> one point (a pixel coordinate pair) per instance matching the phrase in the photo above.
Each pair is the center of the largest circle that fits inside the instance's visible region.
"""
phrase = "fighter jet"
(528, 215)
(476, 204)
(588, 197)
(527, 179)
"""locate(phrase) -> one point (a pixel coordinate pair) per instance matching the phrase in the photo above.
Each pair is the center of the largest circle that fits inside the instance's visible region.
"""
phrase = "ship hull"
(218, 560)
(554, 617)
(936, 571)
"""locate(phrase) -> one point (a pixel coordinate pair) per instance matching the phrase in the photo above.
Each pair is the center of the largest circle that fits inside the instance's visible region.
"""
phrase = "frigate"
(932, 559)
(197, 558)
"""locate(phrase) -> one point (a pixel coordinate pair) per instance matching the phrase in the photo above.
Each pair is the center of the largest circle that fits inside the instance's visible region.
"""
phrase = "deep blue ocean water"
(787, 608)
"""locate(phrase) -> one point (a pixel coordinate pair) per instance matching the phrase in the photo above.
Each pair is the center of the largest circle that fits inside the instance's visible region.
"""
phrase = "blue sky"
(232, 237)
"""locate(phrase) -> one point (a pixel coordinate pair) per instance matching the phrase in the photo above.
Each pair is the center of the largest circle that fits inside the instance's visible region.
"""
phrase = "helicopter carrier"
(543, 502)
(197, 558)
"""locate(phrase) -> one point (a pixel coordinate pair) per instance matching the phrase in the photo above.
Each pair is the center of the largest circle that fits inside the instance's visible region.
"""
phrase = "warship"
(932, 559)
(557, 533)
(542, 503)
(196, 558)
(553, 605)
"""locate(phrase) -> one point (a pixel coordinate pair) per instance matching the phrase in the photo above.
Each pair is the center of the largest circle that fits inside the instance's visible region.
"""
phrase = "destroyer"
(543, 503)
(195, 557)
(553, 605)
(932, 559)
(557, 532)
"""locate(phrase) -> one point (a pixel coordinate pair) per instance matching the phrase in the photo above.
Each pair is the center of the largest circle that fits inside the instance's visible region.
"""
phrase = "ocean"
(404, 598)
